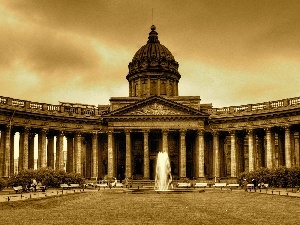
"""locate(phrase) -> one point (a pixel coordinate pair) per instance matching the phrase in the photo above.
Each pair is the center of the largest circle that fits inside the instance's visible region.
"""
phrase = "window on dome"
(163, 89)
(153, 87)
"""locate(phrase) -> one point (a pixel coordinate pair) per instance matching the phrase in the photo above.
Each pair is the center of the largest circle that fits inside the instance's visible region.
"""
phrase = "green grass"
(109, 207)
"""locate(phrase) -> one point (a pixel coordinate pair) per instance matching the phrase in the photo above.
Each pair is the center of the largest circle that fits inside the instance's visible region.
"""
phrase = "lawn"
(110, 207)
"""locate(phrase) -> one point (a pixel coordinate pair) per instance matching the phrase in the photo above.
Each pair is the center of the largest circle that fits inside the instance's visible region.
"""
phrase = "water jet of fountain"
(163, 177)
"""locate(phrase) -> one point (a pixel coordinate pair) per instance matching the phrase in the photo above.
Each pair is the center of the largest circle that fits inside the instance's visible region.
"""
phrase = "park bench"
(261, 186)
(250, 186)
(200, 185)
(89, 185)
(230, 186)
(104, 185)
(41, 188)
(65, 186)
(183, 185)
(219, 185)
(18, 189)
(118, 185)
(74, 185)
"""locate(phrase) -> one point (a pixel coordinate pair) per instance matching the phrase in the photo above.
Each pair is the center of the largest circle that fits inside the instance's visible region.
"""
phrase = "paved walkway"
(9, 194)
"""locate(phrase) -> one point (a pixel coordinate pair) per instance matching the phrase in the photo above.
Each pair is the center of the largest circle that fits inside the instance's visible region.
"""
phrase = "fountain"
(163, 177)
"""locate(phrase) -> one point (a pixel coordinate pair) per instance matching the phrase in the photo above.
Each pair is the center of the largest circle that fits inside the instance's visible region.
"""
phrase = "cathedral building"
(123, 139)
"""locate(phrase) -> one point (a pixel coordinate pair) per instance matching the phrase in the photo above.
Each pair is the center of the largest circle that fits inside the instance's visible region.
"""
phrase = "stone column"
(182, 154)
(287, 147)
(59, 164)
(260, 151)
(2, 151)
(110, 155)
(70, 154)
(281, 159)
(146, 155)
(50, 151)
(216, 154)
(7, 152)
(297, 151)
(95, 155)
(128, 154)
(31, 151)
(165, 140)
(25, 149)
(200, 154)
(77, 152)
(251, 144)
(270, 148)
(12, 153)
(233, 154)
(21, 150)
(42, 148)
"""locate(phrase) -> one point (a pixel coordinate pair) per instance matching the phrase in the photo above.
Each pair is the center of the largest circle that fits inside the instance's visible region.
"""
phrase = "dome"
(153, 57)
(153, 70)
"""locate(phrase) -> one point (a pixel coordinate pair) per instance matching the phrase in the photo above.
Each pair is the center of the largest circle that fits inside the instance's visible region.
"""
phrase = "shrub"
(3, 184)
(47, 176)
(277, 177)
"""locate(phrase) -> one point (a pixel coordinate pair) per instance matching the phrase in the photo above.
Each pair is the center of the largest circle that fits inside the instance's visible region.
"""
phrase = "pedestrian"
(245, 185)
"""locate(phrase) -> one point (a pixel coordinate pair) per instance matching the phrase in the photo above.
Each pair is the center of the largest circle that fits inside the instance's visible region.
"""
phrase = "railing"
(17, 102)
(72, 109)
(90, 110)
(259, 106)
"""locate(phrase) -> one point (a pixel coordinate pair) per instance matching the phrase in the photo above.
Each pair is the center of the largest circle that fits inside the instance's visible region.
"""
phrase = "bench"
(104, 185)
(74, 185)
(118, 185)
(41, 188)
(261, 186)
(250, 186)
(89, 185)
(65, 186)
(230, 186)
(18, 189)
(220, 185)
(199, 185)
(183, 185)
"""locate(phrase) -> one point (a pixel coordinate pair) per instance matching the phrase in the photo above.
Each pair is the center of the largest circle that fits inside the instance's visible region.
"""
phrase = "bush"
(3, 184)
(277, 177)
(46, 176)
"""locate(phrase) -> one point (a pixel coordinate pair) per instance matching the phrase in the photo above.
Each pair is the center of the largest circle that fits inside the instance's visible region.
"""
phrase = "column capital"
(232, 132)
(165, 131)
(182, 131)
(249, 131)
(44, 130)
(146, 131)
(268, 129)
(215, 133)
(200, 132)
(127, 131)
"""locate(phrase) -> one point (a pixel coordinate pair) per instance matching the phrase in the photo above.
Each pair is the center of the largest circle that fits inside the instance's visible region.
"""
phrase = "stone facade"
(123, 138)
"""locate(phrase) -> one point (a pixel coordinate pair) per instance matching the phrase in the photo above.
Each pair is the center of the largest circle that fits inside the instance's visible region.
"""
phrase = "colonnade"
(196, 153)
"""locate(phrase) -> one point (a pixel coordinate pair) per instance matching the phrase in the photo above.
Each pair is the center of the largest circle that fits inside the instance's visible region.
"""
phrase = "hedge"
(277, 177)
(3, 184)
(46, 176)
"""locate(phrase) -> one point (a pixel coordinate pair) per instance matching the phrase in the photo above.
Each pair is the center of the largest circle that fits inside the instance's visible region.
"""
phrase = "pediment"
(156, 106)
(154, 109)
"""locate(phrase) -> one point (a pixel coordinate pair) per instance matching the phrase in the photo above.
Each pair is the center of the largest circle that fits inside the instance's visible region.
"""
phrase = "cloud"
(230, 52)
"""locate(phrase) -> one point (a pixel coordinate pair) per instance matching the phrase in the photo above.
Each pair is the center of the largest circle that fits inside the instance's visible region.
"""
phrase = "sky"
(229, 52)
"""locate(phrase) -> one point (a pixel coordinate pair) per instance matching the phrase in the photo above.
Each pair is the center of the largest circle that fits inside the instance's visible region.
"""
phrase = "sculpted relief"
(154, 109)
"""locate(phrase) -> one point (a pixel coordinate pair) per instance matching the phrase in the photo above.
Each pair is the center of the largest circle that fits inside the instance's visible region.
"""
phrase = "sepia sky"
(229, 52)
